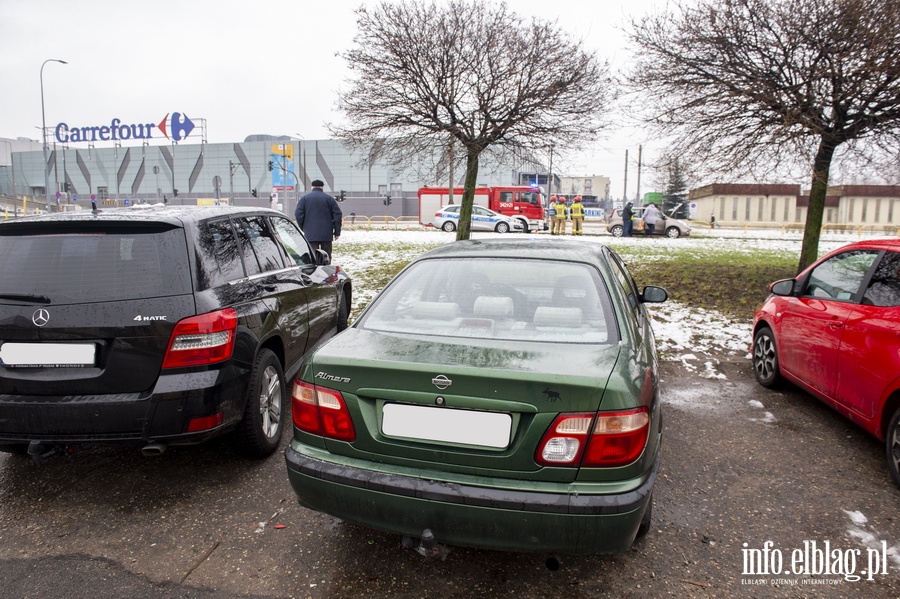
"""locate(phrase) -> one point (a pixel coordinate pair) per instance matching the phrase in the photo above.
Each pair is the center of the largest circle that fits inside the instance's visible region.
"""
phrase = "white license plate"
(467, 427)
(48, 354)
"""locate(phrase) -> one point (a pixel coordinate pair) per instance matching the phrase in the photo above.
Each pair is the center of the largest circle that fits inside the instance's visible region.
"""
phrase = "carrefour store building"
(169, 160)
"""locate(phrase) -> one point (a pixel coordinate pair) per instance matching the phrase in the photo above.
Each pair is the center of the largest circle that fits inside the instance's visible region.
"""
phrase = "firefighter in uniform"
(551, 215)
(576, 210)
(559, 217)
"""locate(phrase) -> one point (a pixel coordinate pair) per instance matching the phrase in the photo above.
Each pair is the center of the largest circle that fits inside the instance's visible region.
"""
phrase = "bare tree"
(742, 83)
(473, 70)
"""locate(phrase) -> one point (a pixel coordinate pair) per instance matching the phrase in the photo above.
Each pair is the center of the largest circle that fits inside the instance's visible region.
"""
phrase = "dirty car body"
(157, 325)
(496, 394)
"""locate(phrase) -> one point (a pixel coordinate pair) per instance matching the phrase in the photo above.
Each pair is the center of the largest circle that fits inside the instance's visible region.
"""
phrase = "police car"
(482, 220)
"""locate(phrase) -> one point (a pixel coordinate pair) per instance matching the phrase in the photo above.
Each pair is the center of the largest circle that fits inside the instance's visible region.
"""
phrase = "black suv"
(163, 325)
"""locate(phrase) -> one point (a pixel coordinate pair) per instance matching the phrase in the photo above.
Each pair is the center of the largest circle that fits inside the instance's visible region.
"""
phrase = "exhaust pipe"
(426, 546)
(40, 452)
(152, 450)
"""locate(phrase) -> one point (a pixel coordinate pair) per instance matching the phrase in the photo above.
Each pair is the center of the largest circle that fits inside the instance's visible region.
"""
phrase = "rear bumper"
(161, 414)
(579, 520)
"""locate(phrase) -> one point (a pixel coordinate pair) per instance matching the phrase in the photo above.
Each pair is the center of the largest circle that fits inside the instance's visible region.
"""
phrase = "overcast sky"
(246, 67)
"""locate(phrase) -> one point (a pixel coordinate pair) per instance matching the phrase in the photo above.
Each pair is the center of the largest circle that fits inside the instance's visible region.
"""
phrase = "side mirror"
(322, 258)
(654, 295)
(784, 287)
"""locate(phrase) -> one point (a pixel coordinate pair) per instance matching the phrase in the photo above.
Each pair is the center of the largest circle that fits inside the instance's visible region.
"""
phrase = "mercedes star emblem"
(40, 317)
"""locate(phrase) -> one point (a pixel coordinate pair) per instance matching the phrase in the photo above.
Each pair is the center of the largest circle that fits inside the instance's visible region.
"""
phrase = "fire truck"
(522, 203)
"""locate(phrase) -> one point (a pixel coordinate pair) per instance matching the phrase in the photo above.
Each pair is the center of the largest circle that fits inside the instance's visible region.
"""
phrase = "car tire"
(892, 446)
(525, 227)
(765, 358)
(260, 430)
(15, 448)
(343, 314)
(647, 520)
(673, 232)
(448, 226)
(617, 231)
(502, 228)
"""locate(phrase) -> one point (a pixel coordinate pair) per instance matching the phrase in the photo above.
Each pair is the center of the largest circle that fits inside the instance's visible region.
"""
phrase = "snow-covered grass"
(695, 336)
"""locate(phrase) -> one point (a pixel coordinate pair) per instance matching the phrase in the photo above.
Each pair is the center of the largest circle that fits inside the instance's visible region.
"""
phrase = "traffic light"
(253, 193)
(387, 201)
(270, 165)
(341, 197)
(175, 192)
(66, 187)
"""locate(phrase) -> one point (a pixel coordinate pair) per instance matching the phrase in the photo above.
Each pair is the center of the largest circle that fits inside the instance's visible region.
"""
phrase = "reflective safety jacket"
(559, 209)
(577, 210)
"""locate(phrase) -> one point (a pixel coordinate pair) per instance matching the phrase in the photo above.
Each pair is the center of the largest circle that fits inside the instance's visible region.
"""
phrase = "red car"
(835, 332)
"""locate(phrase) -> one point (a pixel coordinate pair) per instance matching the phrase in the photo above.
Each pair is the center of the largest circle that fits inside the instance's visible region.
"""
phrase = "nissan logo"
(40, 317)
(441, 382)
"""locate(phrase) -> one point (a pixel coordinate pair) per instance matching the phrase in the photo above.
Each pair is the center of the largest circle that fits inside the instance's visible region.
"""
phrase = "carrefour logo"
(175, 126)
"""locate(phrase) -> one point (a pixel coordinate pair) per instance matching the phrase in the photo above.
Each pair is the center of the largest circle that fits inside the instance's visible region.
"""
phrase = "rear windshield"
(510, 299)
(80, 266)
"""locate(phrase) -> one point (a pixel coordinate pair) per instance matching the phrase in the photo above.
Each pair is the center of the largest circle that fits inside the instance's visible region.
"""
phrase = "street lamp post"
(44, 131)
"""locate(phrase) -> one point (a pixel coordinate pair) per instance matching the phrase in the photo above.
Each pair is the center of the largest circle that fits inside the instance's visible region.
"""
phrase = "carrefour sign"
(175, 126)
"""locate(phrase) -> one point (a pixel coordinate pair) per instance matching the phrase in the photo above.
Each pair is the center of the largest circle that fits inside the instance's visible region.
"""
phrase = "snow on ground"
(692, 335)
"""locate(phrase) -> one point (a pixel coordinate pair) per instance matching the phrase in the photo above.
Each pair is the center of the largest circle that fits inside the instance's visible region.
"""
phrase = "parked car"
(496, 394)
(157, 325)
(483, 219)
(834, 331)
(665, 225)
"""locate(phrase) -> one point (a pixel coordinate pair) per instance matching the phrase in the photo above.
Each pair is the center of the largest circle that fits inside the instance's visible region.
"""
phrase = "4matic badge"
(140, 318)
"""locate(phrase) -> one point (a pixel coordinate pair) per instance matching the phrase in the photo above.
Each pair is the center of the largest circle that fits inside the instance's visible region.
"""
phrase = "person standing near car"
(559, 216)
(627, 219)
(319, 216)
(576, 210)
(552, 215)
(651, 213)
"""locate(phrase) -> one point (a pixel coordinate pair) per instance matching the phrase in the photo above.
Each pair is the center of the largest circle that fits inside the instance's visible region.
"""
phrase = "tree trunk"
(464, 227)
(809, 251)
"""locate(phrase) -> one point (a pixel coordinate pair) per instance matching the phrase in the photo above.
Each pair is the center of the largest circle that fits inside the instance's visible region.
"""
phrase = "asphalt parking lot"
(751, 481)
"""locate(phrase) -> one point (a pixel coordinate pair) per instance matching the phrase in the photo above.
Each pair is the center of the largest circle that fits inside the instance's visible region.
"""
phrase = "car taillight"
(321, 411)
(617, 439)
(204, 339)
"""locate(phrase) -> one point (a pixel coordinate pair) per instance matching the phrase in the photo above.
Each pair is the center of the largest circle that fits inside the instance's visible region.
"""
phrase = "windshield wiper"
(25, 297)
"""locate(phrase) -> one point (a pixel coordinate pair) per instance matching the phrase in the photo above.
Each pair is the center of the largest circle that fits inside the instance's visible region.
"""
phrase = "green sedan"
(496, 394)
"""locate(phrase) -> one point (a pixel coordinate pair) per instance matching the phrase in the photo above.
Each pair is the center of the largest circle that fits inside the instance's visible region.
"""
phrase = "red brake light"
(617, 439)
(321, 411)
(204, 339)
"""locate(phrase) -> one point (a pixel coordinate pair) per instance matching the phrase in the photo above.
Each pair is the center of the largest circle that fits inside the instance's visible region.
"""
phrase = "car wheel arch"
(891, 406)
(253, 440)
(892, 438)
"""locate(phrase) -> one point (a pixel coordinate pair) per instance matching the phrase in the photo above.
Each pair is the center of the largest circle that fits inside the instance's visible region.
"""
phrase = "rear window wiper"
(25, 297)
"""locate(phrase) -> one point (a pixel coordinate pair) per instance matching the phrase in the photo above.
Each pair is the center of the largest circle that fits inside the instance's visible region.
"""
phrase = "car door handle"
(835, 325)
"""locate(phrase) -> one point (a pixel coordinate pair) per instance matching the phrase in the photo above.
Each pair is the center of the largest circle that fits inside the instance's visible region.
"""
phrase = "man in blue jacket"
(319, 216)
